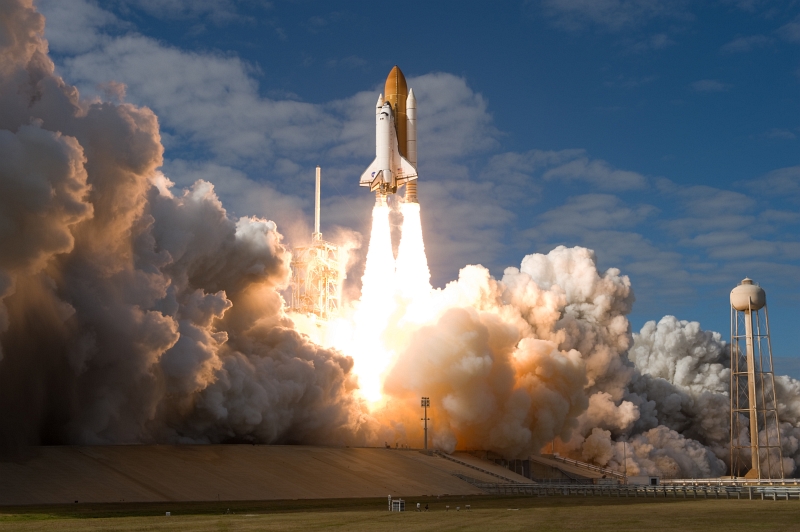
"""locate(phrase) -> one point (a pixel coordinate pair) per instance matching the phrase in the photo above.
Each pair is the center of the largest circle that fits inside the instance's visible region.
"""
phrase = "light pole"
(425, 403)
(625, 458)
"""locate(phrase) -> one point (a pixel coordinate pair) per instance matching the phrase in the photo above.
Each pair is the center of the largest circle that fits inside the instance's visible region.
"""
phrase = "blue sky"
(665, 135)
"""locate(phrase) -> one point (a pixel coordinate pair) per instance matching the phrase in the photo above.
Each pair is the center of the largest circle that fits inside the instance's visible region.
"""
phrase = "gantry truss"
(316, 272)
(316, 280)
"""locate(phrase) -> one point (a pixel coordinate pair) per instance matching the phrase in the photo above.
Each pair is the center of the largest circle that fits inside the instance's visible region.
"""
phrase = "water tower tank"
(748, 295)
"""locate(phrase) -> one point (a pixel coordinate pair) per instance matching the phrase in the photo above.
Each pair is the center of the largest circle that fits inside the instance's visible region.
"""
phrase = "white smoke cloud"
(683, 354)
(510, 364)
(659, 451)
(546, 353)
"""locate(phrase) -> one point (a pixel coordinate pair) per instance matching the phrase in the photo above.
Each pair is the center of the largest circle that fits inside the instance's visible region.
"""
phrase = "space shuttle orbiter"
(395, 161)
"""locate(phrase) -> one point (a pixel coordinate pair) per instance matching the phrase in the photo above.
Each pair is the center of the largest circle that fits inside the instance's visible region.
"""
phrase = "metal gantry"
(755, 447)
(316, 280)
(316, 272)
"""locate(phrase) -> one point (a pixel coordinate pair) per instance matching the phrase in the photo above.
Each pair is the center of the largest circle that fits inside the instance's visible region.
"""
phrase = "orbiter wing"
(369, 174)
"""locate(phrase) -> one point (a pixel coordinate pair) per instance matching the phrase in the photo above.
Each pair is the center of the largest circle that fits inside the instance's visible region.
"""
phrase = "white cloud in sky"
(517, 176)
(705, 200)
(592, 211)
(658, 41)
(598, 173)
(780, 133)
(612, 15)
(738, 245)
(76, 27)
(710, 85)
(218, 11)
(351, 61)
(784, 182)
(463, 225)
(746, 5)
(734, 231)
(612, 227)
(478, 202)
(790, 31)
(630, 82)
(210, 99)
(746, 44)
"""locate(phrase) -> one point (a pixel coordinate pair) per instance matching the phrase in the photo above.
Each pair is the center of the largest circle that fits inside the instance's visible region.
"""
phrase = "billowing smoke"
(134, 312)
(129, 314)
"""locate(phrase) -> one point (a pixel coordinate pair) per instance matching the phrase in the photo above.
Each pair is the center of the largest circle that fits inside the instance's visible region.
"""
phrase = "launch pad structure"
(316, 273)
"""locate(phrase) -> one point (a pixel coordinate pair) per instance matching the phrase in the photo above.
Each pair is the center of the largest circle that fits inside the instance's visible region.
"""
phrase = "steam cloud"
(130, 312)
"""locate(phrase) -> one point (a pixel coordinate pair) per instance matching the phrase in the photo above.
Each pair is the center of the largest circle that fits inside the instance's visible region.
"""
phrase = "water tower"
(753, 405)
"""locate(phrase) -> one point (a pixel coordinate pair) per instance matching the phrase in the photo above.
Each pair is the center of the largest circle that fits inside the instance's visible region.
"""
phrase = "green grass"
(487, 513)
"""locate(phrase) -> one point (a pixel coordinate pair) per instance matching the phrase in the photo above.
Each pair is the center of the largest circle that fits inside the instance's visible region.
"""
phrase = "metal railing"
(627, 490)
(790, 482)
(559, 481)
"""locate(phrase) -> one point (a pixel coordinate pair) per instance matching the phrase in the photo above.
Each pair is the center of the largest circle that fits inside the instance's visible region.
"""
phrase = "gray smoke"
(129, 314)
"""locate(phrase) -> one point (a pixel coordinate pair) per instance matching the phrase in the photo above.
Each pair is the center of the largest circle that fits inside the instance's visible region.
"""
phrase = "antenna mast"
(317, 235)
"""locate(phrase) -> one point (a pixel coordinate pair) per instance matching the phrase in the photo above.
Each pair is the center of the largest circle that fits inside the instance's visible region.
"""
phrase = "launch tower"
(316, 273)
(755, 431)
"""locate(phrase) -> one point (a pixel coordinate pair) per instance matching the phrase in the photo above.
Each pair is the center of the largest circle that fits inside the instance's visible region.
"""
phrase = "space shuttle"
(395, 163)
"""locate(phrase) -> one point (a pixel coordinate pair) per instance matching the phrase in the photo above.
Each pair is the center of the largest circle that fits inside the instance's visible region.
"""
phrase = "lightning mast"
(753, 403)
(316, 272)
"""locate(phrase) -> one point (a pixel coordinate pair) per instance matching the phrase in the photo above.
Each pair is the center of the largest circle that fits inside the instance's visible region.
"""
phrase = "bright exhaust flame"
(375, 309)
(413, 275)
(394, 295)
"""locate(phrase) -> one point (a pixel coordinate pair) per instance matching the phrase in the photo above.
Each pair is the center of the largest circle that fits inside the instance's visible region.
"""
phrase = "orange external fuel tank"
(396, 93)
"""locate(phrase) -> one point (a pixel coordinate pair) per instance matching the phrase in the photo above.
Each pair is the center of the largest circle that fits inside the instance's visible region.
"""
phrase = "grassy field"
(487, 513)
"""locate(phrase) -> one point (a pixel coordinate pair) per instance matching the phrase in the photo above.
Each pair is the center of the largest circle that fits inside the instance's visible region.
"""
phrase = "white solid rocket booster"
(411, 143)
